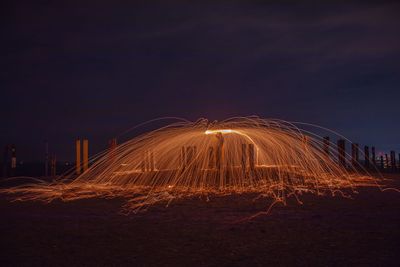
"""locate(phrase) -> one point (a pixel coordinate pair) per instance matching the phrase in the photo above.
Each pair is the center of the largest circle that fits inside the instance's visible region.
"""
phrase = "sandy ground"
(324, 231)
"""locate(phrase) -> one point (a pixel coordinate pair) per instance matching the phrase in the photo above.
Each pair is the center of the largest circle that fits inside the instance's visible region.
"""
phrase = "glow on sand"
(271, 158)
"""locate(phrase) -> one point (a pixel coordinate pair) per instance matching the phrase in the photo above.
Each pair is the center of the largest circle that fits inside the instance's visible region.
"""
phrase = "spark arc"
(240, 155)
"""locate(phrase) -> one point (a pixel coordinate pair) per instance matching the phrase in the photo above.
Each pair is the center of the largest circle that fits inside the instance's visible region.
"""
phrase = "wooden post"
(211, 158)
(393, 160)
(366, 157)
(382, 163)
(148, 161)
(219, 153)
(220, 159)
(183, 157)
(78, 156)
(251, 157)
(143, 162)
(13, 164)
(189, 155)
(373, 156)
(326, 146)
(387, 160)
(354, 154)
(53, 164)
(244, 158)
(152, 163)
(194, 155)
(341, 144)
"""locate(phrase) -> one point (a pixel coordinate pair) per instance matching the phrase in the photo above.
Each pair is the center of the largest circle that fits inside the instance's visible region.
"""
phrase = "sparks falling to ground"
(272, 158)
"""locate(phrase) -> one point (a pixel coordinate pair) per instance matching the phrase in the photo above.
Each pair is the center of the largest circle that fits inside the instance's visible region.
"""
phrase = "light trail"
(240, 155)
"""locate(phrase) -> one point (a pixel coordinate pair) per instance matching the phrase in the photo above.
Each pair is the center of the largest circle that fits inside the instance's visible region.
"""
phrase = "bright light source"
(218, 131)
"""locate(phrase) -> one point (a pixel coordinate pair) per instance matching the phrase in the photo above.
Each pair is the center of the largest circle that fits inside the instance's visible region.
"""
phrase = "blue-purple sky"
(96, 68)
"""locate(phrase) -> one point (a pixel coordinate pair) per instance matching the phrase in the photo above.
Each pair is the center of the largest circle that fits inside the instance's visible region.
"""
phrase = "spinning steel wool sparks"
(240, 155)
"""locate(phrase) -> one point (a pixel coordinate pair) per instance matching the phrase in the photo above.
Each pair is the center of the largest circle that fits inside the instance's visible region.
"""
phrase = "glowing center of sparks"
(223, 131)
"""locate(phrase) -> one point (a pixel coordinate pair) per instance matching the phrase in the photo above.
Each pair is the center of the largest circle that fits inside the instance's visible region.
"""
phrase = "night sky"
(96, 69)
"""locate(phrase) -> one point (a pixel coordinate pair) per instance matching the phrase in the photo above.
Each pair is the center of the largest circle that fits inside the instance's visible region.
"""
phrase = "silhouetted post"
(251, 157)
(194, 157)
(53, 163)
(211, 158)
(387, 160)
(393, 160)
(354, 154)
(78, 156)
(189, 155)
(219, 159)
(219, 153)
(152, 163)
(13, 160)
(366, 157)
(46, 159)
(373, 156)
(183, 157)
(148, 161)
(143, 164)
(244, 158)
(327, 145)
(341, 143)
(85, 155)
(382, 163)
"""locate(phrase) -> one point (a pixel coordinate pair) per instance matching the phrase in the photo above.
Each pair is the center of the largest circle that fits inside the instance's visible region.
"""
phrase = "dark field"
(324, 231)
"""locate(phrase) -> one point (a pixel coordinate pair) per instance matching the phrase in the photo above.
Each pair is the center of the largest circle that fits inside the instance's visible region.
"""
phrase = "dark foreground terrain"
(327, 231)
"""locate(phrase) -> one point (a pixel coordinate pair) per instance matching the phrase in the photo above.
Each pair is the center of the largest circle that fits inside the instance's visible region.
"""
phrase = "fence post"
(13, 160)
(251, 157)
(366, 154)
(183, 157)
(354, 154)
(53, 165)
(373, 156)
(244, 158)
(387, 160)
(152, 163)
(393, 160)
(211, 157)
(144, 162)
(341, 144)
